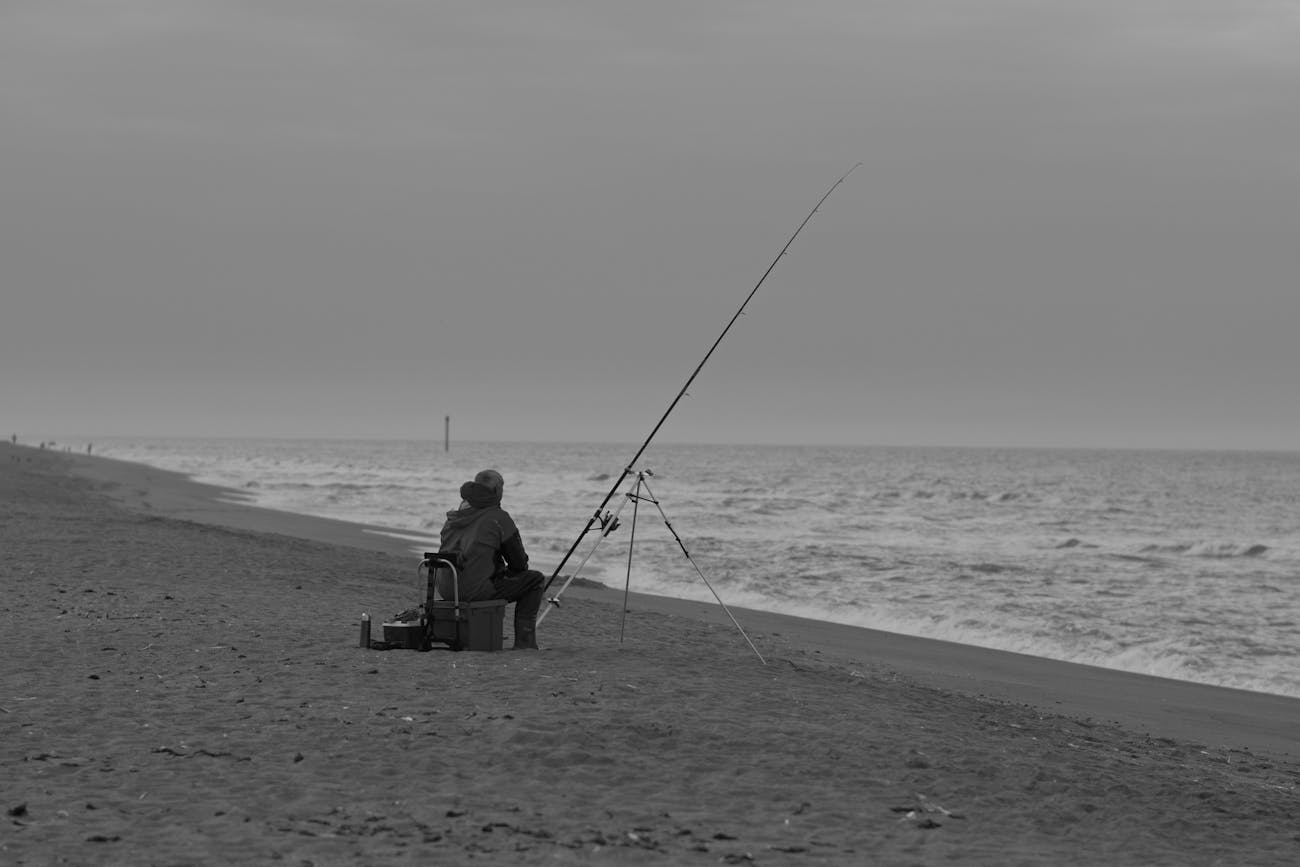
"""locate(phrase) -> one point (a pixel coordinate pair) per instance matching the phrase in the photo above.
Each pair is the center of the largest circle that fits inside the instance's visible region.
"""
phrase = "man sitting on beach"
(493, 563)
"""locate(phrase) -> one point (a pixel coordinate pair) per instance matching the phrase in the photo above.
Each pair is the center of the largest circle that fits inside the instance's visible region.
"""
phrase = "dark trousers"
(525, 590)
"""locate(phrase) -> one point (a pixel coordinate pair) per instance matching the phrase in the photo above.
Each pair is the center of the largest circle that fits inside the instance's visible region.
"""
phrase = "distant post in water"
(446, 433)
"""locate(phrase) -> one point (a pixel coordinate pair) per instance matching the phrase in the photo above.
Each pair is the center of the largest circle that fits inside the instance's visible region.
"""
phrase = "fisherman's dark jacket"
(487, 543)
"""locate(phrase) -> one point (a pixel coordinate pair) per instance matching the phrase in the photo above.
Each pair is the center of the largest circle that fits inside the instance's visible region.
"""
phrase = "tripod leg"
(627, 586)
(651, 497)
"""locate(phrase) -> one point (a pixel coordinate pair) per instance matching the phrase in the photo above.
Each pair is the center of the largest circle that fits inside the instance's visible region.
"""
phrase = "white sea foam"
(1177, 564)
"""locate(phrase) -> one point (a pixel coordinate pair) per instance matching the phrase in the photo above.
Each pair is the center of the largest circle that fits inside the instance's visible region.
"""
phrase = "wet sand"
(182, 683)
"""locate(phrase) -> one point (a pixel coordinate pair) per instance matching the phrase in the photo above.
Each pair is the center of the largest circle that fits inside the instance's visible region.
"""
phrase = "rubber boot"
(526, 633)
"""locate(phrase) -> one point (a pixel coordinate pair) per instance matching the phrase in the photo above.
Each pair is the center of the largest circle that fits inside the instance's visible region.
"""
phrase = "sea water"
(1179, 564)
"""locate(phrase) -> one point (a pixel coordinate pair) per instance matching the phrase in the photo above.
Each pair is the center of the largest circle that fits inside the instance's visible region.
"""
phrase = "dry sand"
(181, 684)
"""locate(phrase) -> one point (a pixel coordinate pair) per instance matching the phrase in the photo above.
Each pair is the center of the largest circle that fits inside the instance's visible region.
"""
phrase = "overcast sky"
(1076, 222)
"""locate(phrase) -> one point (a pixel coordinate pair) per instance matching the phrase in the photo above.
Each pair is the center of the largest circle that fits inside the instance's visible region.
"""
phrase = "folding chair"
(460, 625)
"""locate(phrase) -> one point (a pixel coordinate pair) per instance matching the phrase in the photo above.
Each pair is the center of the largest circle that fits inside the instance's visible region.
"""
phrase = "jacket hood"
(479, 496)
(477, 500)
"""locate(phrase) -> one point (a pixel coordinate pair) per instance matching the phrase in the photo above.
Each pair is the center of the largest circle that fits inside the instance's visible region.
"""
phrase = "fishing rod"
(629, 469)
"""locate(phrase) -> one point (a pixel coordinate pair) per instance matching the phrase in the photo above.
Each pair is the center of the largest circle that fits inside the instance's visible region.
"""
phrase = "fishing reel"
(609, 522)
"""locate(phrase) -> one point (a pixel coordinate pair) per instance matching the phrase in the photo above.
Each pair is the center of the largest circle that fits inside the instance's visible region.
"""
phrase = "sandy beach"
(182, 684)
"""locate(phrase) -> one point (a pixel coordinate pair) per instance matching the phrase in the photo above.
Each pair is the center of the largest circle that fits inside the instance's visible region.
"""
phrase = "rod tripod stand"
(640, 492)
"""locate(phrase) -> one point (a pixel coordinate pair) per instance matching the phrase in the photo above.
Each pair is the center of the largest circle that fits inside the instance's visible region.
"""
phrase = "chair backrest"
(444, 579)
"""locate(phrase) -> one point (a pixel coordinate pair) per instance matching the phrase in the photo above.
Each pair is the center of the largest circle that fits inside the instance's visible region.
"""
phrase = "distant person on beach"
(492, 560)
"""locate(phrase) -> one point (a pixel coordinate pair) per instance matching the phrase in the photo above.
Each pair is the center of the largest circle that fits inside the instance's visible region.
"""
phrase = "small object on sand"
(365, 631)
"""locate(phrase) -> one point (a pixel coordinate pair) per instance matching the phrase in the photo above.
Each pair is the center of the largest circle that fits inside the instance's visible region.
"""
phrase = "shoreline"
(1132, 595)
(1221, 716)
